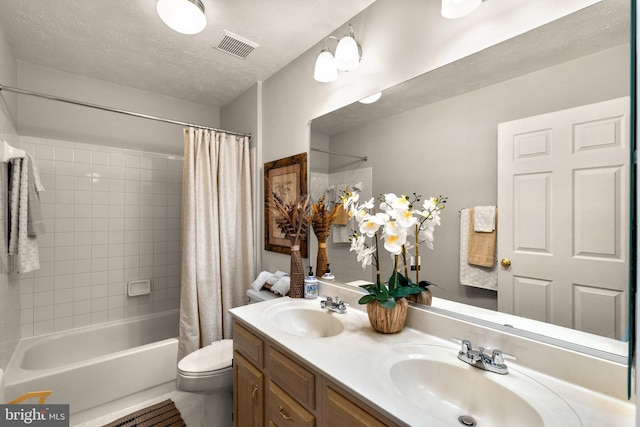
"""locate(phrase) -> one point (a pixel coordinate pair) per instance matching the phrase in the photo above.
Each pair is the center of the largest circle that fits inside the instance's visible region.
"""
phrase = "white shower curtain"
(217, 235)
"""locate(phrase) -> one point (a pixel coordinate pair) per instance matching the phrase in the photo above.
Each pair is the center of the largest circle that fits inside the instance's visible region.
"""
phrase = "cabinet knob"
(286, 416)
(506, 262)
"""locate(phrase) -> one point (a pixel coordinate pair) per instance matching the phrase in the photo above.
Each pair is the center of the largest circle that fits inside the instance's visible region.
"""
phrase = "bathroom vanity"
(298, 364)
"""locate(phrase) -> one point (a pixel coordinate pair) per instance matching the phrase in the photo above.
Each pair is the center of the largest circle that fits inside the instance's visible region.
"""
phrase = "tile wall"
(9, 289)
(111, 215)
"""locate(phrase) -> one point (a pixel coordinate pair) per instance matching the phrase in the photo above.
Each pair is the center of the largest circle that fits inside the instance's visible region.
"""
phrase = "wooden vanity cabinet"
(273, 387)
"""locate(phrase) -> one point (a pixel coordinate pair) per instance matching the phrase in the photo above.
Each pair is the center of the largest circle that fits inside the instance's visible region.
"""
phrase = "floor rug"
(162, 414)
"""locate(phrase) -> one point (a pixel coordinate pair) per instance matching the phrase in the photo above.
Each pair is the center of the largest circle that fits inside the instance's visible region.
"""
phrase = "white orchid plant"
(395, 224)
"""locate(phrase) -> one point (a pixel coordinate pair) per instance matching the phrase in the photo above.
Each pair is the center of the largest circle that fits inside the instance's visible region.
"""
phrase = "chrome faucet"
(334, 305)
(481, 360)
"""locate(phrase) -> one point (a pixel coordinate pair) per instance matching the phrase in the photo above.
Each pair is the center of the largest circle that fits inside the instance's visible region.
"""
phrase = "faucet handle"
(499, 356)
(465, 345)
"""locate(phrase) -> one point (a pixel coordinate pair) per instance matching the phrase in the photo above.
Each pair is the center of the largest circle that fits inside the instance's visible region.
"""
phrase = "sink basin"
(433, 378)
(305, 318)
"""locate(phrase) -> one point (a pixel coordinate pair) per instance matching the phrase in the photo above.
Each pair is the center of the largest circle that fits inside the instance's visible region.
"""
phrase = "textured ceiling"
(601, 26)
(125, 42)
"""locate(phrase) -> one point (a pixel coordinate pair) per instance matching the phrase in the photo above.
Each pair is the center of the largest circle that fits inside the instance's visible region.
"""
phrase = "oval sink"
(433, 378)
(306, 319)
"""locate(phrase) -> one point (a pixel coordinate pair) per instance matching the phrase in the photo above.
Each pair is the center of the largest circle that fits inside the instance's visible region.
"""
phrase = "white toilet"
(209, 371)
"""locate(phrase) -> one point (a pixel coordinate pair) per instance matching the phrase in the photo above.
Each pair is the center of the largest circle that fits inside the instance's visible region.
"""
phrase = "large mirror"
(438, 134)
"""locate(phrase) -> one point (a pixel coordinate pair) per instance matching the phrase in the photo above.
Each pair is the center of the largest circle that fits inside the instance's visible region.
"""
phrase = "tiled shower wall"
(111, 216)
(9, 291)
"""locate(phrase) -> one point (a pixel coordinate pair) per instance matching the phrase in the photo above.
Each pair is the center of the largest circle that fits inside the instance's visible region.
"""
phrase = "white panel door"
(563, 195)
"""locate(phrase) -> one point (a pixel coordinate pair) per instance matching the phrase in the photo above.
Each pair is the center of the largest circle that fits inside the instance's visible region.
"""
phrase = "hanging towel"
(473, 275)
(25, 216)
(482, 245)
(484, 219)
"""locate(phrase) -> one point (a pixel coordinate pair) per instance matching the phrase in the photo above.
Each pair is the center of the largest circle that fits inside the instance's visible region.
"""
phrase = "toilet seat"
(213, 359)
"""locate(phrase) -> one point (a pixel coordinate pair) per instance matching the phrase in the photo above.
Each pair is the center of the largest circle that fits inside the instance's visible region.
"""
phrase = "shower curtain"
(217, 235)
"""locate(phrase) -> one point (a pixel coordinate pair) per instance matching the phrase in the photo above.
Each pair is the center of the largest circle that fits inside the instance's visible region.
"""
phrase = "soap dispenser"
(310, 285)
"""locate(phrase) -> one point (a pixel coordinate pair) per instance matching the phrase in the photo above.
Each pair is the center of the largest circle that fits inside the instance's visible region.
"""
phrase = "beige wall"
(55, 120)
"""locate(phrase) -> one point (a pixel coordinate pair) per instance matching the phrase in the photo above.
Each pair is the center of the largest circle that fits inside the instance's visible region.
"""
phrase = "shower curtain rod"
(363, 158)
(114, 110)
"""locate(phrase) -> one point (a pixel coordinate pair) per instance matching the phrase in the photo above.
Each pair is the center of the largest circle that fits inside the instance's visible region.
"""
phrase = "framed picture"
(288, 178)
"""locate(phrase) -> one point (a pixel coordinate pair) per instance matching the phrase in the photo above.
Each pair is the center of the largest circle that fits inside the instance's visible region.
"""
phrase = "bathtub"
(91, 366)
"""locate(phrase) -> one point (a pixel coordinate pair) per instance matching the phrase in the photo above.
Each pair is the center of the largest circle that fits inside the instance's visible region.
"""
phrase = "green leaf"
(388, 304)
(366, 299)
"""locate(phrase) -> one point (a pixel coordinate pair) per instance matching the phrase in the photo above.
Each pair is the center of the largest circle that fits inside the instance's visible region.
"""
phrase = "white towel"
(261, 280)
(484, 219)
(20, 242)
(472, 275)
(281, 287)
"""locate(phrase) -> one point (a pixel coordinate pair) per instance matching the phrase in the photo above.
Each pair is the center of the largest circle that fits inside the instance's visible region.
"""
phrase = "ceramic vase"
(388, 321)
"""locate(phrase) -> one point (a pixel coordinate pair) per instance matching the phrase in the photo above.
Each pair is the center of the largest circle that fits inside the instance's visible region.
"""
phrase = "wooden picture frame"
(288, 178)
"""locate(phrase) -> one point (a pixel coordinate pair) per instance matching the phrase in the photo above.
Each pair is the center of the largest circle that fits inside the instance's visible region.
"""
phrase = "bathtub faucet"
(334, 305)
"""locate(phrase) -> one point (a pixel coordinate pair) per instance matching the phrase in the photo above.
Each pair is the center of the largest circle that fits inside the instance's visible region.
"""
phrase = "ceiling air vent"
(235, 45)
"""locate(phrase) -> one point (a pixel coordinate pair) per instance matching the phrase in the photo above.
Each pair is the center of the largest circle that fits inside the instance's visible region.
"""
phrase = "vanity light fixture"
(348, 52)
(183, 16)
(453, 9)
(371, 98)
(347, 58)
(325, 70)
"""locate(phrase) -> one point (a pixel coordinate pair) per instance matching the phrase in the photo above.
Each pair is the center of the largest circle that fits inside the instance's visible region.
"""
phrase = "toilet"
(209, 371)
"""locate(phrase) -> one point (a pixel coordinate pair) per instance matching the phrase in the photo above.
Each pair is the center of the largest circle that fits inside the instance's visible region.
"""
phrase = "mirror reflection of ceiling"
(579, 34)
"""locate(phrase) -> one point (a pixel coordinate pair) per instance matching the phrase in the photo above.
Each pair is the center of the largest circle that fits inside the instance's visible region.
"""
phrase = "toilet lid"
(214, 357)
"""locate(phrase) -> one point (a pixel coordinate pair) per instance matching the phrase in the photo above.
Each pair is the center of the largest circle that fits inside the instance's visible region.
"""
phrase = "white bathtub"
(89, 367)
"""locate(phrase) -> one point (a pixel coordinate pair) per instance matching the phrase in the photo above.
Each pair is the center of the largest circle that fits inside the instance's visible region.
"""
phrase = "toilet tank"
(254, 296)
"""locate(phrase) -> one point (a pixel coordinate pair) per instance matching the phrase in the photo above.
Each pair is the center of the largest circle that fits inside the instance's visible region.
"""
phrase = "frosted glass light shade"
(325, 70)
(183, 16)
(347, 54)
(452, 9)
(371, 98)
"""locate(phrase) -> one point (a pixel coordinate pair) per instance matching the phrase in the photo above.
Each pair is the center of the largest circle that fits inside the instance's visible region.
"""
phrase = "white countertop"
(347, 358)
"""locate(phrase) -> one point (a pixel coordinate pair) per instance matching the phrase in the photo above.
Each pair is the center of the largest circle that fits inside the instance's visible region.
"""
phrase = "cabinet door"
(340, 411)
(283, 411)
(248, 393)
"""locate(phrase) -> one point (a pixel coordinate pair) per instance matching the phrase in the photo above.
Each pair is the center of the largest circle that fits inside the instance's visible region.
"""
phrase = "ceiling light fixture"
(453, 9)
(183, 16)
(347, 58)
(371, 98)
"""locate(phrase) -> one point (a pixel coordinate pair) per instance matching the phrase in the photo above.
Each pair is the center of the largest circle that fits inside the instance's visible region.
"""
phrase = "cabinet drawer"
(248, 344)
(283, 411)
(299, 382)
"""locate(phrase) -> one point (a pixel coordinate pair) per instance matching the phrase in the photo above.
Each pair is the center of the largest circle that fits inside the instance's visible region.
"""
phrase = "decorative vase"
(388, 321)
(423, 297)
(322, 259)
(296, 274)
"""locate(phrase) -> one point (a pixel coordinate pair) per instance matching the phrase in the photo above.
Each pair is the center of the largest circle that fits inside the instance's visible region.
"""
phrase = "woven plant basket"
(388, 321)
(296, 274)
(423, 297)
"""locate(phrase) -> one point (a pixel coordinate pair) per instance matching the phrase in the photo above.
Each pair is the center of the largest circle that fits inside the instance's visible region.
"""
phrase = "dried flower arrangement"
(293, 220)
